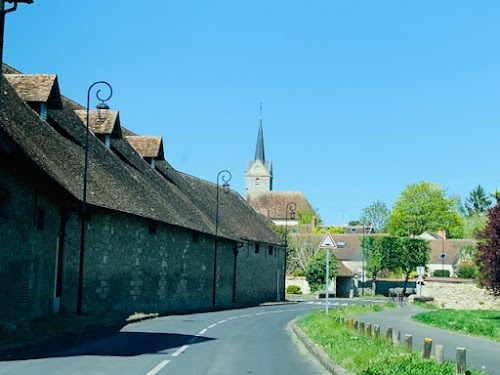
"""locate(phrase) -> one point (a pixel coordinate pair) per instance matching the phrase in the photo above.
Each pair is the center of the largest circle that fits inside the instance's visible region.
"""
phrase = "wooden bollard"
(439, 354)
(362, 327)
(396, 338)
(376, 331)
(350, 323)
(461, 361)
(368, 330)
(426, 354)
(409, 342)
(356, 325)
(388, 334)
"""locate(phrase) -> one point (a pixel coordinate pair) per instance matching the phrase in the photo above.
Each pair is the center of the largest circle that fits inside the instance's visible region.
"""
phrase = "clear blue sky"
(360, 98)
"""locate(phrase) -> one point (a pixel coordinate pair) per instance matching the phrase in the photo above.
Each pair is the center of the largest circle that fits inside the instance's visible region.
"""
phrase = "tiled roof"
(122, 180)
(148, 147)
(272, 204)
(449, 247)
(343, 271)
(36, 88)
(107, 122)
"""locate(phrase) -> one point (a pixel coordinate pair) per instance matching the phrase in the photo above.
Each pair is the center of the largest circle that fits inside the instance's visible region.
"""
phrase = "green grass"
(425, 305)
(364, 355)
(480, 323)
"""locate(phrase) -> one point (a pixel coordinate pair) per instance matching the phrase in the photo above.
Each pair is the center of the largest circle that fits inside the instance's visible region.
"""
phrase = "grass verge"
(480, 323)
(364, 355)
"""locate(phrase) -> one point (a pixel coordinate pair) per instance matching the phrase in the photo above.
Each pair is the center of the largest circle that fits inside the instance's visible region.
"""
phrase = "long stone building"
(149, 229)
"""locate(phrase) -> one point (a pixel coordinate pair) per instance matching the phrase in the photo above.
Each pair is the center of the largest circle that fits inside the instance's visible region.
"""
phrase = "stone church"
(259, 188)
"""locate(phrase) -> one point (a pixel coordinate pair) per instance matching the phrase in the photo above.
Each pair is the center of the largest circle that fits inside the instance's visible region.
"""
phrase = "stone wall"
(459, 294)
(28, 250)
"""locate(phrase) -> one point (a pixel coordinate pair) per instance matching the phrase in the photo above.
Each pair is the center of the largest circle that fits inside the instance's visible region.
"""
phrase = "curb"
(317, 352)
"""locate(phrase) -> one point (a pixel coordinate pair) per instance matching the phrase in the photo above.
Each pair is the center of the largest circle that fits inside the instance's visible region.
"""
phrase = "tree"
(424, 207)
(488, 254)
(316, 270)
(474, 224)
(306, 216)
(354, 223)
(478, 202)
(375, 214)
(413, 252)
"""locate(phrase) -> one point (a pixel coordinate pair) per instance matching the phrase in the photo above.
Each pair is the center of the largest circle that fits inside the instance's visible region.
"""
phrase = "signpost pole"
(327, 277)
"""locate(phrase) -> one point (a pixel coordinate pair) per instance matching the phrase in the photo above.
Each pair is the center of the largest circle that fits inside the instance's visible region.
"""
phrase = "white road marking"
(180, 350)
(159, 367)
(202, 331)
(309, 303)
(245, 316)
(222, 321)
(212, 325)
(262, 313)
(192, 339)
(231, 318)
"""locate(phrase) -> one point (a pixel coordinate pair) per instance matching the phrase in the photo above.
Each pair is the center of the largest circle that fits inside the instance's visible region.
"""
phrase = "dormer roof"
(108, 122)
(41, 88)
(148, 147)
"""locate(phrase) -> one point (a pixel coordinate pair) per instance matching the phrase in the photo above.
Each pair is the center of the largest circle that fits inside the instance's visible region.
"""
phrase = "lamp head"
(101, 110)
(225, 187)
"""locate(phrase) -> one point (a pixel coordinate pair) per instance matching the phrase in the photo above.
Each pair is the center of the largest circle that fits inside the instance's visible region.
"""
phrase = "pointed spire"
(259, 150)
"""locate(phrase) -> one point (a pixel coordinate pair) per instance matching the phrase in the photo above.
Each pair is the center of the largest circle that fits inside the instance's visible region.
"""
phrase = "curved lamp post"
(226, 177)
(290, 209)
(100, 107)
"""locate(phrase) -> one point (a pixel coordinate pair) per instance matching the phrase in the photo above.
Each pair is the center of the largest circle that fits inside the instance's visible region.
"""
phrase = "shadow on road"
(121, 344)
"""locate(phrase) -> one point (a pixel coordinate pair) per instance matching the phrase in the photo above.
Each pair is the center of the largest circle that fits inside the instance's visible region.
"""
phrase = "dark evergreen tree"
(488, 254)
(478, 202)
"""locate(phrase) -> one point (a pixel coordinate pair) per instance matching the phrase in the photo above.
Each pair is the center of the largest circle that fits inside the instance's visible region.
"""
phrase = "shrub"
(316, 270)
(293, 289)
(441, 273)
(298, 272)
(468, 271)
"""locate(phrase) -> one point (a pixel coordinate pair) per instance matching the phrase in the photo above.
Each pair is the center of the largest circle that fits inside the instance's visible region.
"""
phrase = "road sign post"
(327, 243)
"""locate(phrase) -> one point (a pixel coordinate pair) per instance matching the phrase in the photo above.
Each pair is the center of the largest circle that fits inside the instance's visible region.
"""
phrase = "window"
(341, 244)
(257, 181)
(257, 248)
(152, 226)
(196, 236)
(270, 250)
(353, 230)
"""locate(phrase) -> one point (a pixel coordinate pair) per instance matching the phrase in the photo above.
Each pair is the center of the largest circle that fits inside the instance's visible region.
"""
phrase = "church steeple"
(259, 172)
(259, 149)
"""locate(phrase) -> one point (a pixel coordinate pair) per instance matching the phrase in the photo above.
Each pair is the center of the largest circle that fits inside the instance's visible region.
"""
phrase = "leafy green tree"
(354, 223)
(424, 207)
(474, 224)
(413, 252)
(376, 214)
(306, 216)
(316, 270)
(478, 202)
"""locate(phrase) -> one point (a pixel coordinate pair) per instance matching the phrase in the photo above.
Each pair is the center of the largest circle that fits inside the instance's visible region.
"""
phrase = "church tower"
(259, 172)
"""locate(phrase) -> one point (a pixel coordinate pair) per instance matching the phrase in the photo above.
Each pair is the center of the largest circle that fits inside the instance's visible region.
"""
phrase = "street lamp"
(3, 12)
(226, 177)
(101, 106)
(290, 209)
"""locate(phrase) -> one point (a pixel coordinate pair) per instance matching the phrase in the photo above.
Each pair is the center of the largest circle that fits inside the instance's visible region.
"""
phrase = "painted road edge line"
(159, 367)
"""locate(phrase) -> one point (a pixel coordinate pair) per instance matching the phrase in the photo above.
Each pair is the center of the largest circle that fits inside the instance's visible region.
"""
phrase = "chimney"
(442, 233)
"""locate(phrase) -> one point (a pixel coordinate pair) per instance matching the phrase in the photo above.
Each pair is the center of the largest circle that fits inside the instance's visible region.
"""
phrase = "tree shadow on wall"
(121, 344)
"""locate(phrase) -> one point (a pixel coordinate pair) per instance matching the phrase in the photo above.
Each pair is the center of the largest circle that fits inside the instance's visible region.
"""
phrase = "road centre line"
(245, 316)
(158, 367)
(262, 313)
(180, 350)
(222, 321)
(231, 318)
(202, 331)
(212, 325)
(192, 339)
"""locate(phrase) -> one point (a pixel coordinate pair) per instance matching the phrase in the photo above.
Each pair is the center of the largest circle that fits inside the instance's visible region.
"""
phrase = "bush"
(441, 273)
(298, 272)
(293, 289)
(316, 270)
(468, 271)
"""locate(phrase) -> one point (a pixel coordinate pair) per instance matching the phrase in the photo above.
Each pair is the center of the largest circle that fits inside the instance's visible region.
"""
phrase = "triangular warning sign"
(327, 242)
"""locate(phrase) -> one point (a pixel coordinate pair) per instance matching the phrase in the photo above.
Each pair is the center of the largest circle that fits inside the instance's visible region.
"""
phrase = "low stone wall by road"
(462, 295)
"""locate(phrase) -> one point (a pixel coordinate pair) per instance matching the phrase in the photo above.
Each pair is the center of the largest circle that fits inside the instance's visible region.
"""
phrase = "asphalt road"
(242, 341)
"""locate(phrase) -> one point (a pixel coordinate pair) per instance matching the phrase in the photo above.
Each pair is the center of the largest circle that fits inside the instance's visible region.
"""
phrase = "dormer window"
(104, 123)
(150, 148)
(107, 140)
